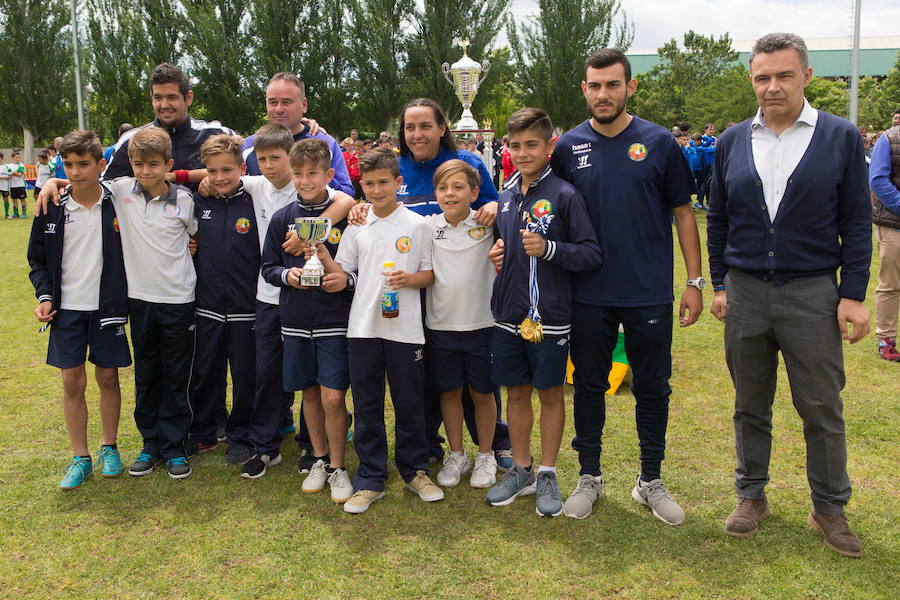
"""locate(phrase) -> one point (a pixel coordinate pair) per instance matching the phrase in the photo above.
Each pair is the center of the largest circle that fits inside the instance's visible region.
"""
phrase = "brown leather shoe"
(836, 533)
(744, 519)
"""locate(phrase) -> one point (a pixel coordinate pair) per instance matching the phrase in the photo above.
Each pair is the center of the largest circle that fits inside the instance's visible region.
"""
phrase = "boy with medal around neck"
(545, 230)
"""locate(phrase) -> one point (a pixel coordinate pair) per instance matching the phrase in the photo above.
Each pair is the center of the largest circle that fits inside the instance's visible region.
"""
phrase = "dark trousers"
(221, 346)
(370, 358)
(163, 339)
(798, 318)
(702, 179)
(270, 399)
(648, 343)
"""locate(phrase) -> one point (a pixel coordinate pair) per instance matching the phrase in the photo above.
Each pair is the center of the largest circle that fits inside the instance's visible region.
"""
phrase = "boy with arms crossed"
(17, 184)
(313, 322)
(546, 232)
(78, 274)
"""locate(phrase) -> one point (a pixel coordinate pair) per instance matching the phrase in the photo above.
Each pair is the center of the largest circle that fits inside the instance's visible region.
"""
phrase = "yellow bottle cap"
(387, 265)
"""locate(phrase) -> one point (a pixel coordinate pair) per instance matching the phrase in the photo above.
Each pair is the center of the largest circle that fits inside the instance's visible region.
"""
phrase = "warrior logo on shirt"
(505, 206)
(207, 214)
(583, 161)
(402, 191)
(403, 244)
(242, 225)
(541, 208)
(68, 219)
(335, 236)
(439, 234)
(116, 225)
(477, 233)
(637, 152)
(51, 228)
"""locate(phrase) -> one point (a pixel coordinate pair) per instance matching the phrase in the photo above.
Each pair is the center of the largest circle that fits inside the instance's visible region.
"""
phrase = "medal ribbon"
(534, 294)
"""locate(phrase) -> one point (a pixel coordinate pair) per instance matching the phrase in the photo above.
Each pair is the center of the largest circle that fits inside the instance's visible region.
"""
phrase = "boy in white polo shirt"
(385, 331)
(459, 323)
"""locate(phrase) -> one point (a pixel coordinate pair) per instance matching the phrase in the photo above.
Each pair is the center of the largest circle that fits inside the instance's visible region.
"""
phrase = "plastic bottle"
(390, 299)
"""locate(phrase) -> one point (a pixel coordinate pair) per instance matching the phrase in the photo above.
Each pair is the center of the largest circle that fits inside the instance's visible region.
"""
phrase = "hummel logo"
(583, 161)
(207, 214)
(402, 191)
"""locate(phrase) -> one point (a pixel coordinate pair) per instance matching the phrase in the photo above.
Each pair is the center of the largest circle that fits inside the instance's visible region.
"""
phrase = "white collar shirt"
(82, 256)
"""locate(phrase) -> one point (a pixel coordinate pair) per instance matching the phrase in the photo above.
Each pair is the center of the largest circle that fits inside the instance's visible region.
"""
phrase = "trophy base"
(313, 280)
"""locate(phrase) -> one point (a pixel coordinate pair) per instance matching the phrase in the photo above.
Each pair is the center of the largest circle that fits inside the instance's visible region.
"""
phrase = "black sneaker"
(178, 467)
(256, 466)
(194, 448)
(237, 454)
(305, 462)
(143, 464)
(221, 423)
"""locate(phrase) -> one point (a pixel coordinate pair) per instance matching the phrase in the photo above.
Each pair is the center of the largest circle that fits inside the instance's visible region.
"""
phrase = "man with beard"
(634, 179)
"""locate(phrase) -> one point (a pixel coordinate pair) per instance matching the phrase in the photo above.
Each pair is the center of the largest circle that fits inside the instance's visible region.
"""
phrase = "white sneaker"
(484, 475)
(456, 464)
(316, 479)
(341, 488)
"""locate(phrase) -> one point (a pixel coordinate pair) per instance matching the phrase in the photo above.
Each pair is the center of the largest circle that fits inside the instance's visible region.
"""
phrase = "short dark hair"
(439, 117)
(530, 118)
(123, 128)
(897, 111)
(43, 154)
(273, 136)
(684, 126)
(290, 78)
(772, 42)
(607, 57)
(311, 151)
(168, 73)
(81, 141)
(379, 158)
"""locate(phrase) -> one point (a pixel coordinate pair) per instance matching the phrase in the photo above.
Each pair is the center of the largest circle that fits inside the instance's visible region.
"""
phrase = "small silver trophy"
(312, 230)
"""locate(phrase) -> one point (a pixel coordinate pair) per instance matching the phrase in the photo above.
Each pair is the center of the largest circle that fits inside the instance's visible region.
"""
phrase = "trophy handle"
(446, 69)
(485, 67)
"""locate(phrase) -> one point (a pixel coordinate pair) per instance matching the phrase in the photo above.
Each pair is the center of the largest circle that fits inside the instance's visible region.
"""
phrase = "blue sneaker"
(504, 460)
(349, 426)
(110, 462)
(287, 430)
(178, 467)
(79, 470)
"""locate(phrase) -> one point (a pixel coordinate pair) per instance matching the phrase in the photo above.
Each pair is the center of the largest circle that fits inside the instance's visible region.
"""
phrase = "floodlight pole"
(854, 65)
(78, 100)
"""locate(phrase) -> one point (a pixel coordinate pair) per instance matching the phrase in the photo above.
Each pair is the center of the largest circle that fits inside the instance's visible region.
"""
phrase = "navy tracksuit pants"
(370, 358)
(163, 339)
(220, 346)
(270, 399)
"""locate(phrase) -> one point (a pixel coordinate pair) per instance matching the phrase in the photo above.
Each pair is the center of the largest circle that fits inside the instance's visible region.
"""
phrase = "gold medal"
(531, 331)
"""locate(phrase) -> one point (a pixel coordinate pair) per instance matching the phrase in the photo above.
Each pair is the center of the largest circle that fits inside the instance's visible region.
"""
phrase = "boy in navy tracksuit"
(313, 322)
(227, 261)
(546, 233)
(78, 273)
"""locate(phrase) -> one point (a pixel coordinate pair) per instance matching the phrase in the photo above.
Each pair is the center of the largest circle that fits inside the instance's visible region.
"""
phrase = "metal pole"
(854, 65)
(78, 100)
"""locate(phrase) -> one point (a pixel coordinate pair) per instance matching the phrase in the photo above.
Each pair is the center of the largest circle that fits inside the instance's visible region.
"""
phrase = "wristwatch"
(698, 283)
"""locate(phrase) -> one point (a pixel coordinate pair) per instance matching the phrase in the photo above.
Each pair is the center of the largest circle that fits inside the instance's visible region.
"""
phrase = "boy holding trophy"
(313, 323)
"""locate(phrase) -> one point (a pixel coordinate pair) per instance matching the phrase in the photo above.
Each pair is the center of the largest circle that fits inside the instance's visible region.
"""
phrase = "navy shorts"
(518, 362)
(456, 358)
(318, 361)
(72, 332)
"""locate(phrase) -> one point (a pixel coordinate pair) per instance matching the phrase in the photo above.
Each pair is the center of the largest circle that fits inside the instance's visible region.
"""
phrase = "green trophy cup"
(312, 230)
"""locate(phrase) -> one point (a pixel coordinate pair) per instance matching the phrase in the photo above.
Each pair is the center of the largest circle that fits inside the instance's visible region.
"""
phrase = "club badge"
(637, 152)
(477, 233)
(242, 225)
(403, 244)
(541, 208)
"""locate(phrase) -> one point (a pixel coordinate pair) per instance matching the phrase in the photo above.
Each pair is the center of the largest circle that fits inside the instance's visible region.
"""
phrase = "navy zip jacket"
(227, 258)
(417, 191)
(45, 250)
(571, 246)
(311, 312)
(824, 221)
(186, 141)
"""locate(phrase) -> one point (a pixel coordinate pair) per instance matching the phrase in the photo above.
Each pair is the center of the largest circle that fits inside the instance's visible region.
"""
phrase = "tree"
(828, 95)
(552, 47)
(664, 91)
(378, 53)
(436, 27)
(879, 99)
(725, 99)
(37, 68)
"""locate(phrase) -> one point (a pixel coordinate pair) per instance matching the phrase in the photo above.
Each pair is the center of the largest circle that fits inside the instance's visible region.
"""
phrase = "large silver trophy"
(465, 75)
(312, 230)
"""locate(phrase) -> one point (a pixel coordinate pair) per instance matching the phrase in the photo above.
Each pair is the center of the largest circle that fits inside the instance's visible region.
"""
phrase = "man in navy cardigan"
(788, 208)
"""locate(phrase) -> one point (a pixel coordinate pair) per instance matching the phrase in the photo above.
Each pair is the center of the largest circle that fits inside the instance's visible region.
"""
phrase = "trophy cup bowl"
(312, 230)
(466, 75)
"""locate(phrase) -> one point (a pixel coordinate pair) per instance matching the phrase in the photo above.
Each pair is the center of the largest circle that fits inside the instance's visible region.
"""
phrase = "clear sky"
(657, 21)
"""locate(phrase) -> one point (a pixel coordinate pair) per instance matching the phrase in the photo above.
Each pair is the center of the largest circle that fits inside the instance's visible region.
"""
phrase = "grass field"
(216, 535)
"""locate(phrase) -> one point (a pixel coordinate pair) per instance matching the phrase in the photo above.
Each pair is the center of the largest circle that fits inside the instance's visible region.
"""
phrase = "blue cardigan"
(824, 221)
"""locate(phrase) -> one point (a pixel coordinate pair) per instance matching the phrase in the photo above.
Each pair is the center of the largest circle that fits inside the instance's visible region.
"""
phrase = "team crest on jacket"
(541, 208)
(637, 152)
(116, 225)
(173, 210)
(403, 244)
(335, 236)
(242, 225)
(477, 233)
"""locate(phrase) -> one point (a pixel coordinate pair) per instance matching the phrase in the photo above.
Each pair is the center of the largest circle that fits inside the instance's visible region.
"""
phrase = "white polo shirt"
(155, 236)
(404, 238)
(460, 299)
(4, 183)
(267, 199)
(82, 257)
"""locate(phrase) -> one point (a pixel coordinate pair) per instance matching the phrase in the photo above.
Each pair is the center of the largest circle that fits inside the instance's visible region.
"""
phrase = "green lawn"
(216, 535)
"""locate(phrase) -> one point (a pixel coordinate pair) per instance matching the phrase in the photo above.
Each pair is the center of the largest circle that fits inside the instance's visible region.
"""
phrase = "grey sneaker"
(580, 504)
(655, 495)
(548, 502)
(517, 482)
(237, 454)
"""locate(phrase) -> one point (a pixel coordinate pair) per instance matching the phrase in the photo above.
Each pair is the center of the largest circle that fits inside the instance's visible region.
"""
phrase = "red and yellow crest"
(116, 225)
(637, 152)
(242, 225)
